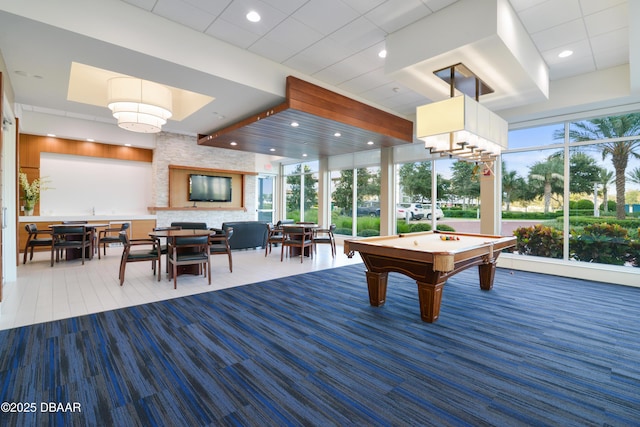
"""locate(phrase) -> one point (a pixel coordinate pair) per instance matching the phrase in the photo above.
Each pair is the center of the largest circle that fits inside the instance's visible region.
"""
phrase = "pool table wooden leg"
(377, 283)
(487, 272)
(430, 297)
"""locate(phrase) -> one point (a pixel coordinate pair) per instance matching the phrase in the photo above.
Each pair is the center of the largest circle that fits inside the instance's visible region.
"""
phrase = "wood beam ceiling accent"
(320, 113)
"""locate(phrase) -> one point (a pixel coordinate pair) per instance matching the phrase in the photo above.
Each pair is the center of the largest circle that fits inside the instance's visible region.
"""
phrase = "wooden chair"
(110, 235)
(219, 245)
(163, 246)
(149, 252)
(325, 236)
(67, 237)
(299, 238)
(274, 237)
(33, 241)
(189, 251)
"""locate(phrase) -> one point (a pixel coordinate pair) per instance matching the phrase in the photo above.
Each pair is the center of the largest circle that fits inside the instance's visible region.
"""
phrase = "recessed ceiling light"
(233, 143)
(304, 155)
(565, 53)
(337, 134)
(370, 143)
(295, 124)
(382, 53)
(127, 145)
(52, 135)
(90, 140)
(253, 16)
(272, 149)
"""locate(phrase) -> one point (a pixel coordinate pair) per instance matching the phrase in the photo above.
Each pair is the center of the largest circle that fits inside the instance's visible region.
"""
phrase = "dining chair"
(219, 245)
(65, 238)
(189, 251)
(299, 238)
(33, 241)
(163, 246)
(325, 236)
(137, 250)
(274, 237)
(110, 235)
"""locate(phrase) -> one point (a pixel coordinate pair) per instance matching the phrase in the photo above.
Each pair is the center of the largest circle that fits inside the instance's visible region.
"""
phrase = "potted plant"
(31, 192)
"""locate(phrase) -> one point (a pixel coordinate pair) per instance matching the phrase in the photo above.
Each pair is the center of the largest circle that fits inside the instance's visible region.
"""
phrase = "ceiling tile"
(320, 55)
(611, 49)
(580, 50)
(538, 18)
(212, 7)
(395, 14)
(285, 6)
(293, 34)
(231, 33)
(184, 13)
(325, 16)
(560, 35)
(363, 6)
(607, 20)
(593, 6)
(367, 81)
(577, 65)
(358, 35)
(274, 51)
(351, 67)
(520, 5)
(436, 5)
(238, 9)
(142, 4)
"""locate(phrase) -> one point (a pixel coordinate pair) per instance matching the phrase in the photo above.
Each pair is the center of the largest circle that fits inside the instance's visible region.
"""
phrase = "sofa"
(247, 234)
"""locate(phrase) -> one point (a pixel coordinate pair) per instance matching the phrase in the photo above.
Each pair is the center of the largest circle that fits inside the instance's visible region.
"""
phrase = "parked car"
(414, 210)
(427, 211)
(369, 209)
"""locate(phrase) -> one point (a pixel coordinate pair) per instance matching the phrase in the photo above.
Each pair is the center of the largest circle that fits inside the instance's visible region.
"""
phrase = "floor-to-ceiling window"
(569, 190)
(355, 193)
(359, 187)
(301, 191)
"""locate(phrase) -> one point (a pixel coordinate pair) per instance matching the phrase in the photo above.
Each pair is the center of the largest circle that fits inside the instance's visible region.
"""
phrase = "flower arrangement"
(31, 191)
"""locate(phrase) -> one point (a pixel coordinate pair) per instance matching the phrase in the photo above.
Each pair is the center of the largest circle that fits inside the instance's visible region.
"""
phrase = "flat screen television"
(206, 188)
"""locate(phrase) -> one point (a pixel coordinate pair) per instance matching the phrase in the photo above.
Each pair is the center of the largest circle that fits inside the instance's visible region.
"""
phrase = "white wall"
(80, 184)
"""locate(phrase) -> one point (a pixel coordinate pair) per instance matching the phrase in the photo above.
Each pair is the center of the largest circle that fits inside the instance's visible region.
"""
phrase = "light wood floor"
(43, 293)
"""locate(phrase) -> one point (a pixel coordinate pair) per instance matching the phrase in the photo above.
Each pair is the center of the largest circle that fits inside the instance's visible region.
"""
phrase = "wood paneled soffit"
(30, 147)
(320, 114)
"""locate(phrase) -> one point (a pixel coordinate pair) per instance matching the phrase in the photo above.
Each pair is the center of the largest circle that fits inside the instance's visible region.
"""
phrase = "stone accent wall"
(183, 150)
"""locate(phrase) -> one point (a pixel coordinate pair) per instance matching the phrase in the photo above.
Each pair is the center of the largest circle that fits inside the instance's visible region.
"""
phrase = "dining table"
(73, 253)
(308, 226)
(172, 235)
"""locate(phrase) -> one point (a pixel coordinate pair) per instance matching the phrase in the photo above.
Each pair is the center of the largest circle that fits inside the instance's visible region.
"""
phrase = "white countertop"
(89, 218)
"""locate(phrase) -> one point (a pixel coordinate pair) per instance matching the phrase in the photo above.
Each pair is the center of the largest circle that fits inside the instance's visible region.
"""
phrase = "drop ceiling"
(208, 47)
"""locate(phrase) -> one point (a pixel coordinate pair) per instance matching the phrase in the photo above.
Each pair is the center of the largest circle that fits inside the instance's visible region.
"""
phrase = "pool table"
(430, 258)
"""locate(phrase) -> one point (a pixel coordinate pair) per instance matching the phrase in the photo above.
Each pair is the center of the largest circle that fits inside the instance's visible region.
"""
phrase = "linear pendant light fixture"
(460, 127)
(139, 105)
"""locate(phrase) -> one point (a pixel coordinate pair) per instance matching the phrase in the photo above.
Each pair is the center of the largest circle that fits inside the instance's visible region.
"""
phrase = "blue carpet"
(308, 350)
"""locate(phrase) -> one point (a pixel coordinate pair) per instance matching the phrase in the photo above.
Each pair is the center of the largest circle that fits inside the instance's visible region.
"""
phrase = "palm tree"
(634, 176)
(510, 185)
(549, 173)
(605, 178)
(610, 128)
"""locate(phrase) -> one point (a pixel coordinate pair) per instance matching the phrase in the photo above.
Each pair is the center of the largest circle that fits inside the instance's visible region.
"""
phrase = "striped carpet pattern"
(308, 350)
